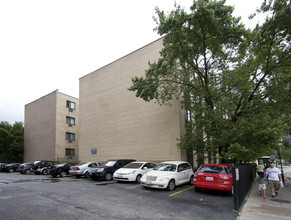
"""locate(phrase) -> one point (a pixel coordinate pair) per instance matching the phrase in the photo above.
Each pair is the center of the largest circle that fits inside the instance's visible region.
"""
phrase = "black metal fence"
(243, 178)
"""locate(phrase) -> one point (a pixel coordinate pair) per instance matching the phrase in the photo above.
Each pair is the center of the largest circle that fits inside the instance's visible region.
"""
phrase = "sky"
(49, 44)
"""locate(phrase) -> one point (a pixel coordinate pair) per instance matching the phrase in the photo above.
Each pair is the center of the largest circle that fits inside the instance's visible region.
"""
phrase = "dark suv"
(105, 170)
(43, 166)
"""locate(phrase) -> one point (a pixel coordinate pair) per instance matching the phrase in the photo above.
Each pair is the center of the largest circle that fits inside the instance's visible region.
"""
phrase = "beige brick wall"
(62, 127)
(40, 128)
(118, 124)
(45, 128)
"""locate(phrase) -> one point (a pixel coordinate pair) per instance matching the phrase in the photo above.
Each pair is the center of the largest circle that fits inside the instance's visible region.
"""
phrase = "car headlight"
(100, 170)
(164, 179)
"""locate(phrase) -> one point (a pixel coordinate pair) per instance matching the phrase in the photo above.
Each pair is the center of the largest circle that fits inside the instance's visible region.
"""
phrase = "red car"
(214, 177)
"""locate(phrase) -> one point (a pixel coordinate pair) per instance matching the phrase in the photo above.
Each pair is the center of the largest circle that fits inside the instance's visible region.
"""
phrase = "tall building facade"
(114, 123)
(51, 128)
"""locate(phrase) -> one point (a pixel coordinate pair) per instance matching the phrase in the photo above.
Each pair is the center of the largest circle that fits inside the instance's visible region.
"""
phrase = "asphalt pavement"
(258, 208)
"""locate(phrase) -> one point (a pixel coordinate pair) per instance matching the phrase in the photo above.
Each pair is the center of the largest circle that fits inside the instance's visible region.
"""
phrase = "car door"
(183, 173)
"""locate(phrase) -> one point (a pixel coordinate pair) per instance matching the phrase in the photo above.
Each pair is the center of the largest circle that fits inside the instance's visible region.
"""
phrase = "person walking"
(262, 185)
(260, 168)
(274, 176)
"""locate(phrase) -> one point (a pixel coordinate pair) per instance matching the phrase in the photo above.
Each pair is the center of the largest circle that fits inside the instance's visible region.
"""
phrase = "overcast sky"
(49, 45)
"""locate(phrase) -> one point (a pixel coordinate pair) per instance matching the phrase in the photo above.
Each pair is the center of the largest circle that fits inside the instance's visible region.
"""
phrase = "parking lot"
(43, 197)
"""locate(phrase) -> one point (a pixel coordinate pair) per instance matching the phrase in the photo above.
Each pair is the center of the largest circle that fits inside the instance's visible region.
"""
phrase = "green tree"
(11, 141)
(235, 82)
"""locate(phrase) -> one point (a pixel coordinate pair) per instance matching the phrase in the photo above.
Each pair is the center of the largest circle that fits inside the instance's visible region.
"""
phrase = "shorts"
(262, 186)
(274, 184)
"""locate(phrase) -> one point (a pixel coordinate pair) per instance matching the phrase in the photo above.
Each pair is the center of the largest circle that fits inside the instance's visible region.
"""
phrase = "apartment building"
(51, 128)
(114, 123)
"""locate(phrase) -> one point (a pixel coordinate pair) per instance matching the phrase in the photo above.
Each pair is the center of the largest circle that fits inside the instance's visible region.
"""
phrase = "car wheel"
(171, 185)
(28, 171)
(63, 174)
(138, 178)
(191, 180)
(87, 175)
(45, 172)
(108, 176)
(10, 170)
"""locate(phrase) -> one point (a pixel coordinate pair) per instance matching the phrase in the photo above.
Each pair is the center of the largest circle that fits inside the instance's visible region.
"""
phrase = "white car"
(82, 169)
(133, 171)
(168, 175)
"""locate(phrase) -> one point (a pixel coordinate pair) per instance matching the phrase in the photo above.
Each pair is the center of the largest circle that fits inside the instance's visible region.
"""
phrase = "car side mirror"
(145, 168)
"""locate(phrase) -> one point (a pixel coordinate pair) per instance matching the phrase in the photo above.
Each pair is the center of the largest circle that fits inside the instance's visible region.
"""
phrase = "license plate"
(148, 183)
(210, 178)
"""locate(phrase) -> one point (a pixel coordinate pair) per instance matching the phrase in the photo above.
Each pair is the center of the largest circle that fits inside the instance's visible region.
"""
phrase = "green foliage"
(234, 81)
(11, 141)
(286, 155)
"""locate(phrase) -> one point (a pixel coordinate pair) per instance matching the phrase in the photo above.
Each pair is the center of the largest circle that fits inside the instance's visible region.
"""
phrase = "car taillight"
(78, 168)
(54, 168)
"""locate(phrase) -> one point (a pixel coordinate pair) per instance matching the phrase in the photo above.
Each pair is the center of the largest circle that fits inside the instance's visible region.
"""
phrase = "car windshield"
(211, 169)
(62, 164)
(133, 165)
(166, 167)
(109, 163)
(80, 164)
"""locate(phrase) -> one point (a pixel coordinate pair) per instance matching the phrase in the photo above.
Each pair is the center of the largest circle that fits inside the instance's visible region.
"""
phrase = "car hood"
(124, 170)
(159, 173)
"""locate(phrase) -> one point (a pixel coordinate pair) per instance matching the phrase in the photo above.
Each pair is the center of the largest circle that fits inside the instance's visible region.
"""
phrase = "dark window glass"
(70, 152)
(70, 136)
(71, 105)
(70, 120)
(211, 169)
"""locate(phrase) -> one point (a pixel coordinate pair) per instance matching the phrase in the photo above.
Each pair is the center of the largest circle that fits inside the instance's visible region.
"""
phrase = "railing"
(243, 178)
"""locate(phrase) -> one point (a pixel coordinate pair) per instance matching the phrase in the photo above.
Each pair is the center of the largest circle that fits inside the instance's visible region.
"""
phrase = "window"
(71, 105)
(70, 136)
(70, 152)
(70, 120)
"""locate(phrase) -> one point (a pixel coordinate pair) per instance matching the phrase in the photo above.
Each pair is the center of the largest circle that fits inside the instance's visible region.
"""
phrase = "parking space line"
(192, 187)
(129, 187)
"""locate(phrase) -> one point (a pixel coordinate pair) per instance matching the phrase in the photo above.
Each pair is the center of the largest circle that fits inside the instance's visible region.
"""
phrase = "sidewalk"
(258, 208)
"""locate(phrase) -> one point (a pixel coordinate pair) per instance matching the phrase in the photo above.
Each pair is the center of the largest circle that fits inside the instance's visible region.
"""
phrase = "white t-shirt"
(273, 173)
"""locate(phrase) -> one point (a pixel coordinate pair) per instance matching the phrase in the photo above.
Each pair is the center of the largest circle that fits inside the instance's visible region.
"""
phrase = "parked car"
(105, 170)
(2, 166)
(43, 166)
(26, 168)
(61, 169)
(11, 167)
(82, 169)
(214, 177)
(168, 175)
(133, 171)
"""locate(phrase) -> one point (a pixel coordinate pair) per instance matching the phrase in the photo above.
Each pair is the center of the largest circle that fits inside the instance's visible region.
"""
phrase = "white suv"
(168, 175)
